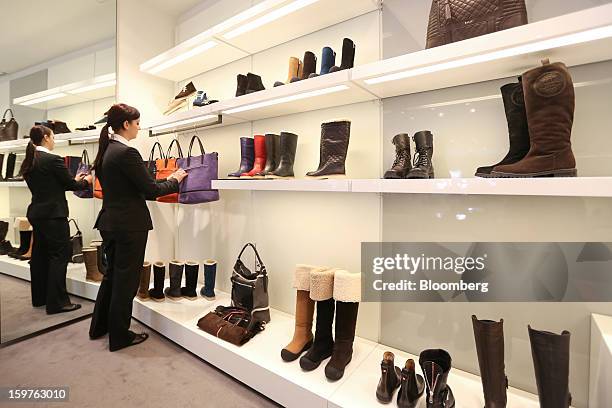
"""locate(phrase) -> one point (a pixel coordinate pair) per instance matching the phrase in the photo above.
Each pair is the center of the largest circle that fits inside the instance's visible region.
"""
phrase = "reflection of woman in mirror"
(48, 180)
(124, 223)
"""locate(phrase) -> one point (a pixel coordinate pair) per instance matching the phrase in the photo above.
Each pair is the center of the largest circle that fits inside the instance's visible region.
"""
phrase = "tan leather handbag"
(456, 20)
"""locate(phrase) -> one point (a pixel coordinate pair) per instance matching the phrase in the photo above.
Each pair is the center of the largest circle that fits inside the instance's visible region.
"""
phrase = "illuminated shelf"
(102, 86)
(338, 186)
(263, 26)
(577, 38)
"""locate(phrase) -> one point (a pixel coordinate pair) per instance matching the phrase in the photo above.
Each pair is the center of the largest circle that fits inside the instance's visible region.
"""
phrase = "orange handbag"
(165, 167)
(98, 189)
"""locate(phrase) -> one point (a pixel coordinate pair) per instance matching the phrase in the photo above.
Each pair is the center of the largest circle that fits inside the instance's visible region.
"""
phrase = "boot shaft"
(549, 105)
(412, 385)
(210, 274)
(272, 151)
(10, 165)
(516, 117)
(1, 166)
(324, 320)
(241, 84)
(550, 353)
(247, 153)
(489, 338)
(145, 280)
(348, 54)
(175, 271)
(310, 65)
(159, 275)
(3, 225)
(287, 149)
(436, 365)
(294, 68)
(334, 148)
(423, 142)
(260, 150)
(328, 60)
(402, 151)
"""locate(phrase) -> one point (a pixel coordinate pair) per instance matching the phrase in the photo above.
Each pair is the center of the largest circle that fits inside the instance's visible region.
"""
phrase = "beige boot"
(90, 258)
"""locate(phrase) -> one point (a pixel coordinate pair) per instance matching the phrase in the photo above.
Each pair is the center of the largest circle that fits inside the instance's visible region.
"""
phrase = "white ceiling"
(35, 31)
(174, 8)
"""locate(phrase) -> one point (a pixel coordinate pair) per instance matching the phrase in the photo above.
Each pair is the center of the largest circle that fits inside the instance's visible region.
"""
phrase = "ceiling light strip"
(563, 41)
(93, 87)
(184, 56)
(183, 122)
(43, 99)
(286, 99)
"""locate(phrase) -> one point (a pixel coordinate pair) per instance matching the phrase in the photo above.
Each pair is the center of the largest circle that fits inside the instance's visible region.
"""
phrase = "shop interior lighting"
(43, 99)
(267, 18)
(563, 41)
(98, 85)
(84, 138)
(286, 99)
(179, 58)
(183, 122)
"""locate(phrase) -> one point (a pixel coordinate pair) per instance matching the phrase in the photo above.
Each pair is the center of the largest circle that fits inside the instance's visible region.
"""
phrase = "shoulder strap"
(159, 147)
(262, 268)
(75, 224)
(193, 139)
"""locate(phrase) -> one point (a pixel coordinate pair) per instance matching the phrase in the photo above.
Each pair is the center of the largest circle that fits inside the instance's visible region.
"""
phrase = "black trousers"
(125, 251)
(51, 251)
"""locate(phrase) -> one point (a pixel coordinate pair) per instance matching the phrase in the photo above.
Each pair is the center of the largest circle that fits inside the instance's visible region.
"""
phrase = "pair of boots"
(180, 100)
(550, 353)
(269, 156)
(421, 166)
(540, 113)
(26, 240)
(330, 289)
(175, 291)
(410, 383)
(248, 83)
(5, 244)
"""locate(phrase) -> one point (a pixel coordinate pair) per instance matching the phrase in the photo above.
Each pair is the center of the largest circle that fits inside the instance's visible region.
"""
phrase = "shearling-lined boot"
(175, 270)
(304, 311)
(90, 258)
(347, 293)
(321, 291)
(145, 280)
(210, 275)
(191, 280)
(159, 276)
(549, 103)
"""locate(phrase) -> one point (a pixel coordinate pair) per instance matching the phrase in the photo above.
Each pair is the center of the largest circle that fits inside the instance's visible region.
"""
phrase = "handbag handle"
(202, 151)
(178, 146)
(75, 224)
(85, 157)
(259, 261)
(161, 153)
(7, 111)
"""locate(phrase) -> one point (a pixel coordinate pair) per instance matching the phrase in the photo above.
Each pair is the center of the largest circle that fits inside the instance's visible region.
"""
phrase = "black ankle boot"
(401, 164)
(389, 378)
(254, 83)
(175, 270)
(24, 244)
(348, 56)
(436, 365)
(191, 281)
(323, 344)
(287, 147)
(247, 157)
(241, 84)
(3, 230)
(159, 276)
(333, 149)
(422, 166)
(518, 130)
(412, 386)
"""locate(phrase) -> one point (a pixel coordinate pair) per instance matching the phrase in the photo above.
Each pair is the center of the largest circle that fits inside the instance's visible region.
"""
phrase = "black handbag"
(250, 288)
(76, 241)
(10, 128)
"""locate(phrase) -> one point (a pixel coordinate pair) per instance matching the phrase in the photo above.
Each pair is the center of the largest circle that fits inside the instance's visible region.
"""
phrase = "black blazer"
(126, 183)
(48, 181)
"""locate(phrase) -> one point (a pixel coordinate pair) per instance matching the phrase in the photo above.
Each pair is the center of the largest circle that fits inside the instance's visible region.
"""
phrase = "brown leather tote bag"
(8, 128)
(456, 20)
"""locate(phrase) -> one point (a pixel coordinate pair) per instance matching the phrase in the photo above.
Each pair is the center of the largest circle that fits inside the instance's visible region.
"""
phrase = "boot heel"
(565, 173)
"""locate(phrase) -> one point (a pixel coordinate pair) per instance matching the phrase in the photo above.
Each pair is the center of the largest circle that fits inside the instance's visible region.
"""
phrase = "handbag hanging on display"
(8, 129)
(456, 20)
(232, 324)
(165, 167)
(85, 168)
(76, 241)
(196, 188)
(72, 164)
(97, 189)
(250, 289)
(151, 163)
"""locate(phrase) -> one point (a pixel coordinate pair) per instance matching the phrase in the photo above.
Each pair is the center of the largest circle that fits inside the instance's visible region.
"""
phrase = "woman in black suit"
(124, 223)
(48, 180)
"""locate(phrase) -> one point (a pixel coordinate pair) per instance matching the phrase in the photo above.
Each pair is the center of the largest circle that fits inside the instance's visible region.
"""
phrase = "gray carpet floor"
(17, 316)
(156, 373)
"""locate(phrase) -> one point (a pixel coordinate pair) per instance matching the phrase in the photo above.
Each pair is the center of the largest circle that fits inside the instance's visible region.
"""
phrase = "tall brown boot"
(489, 337)
(90, 258)
(549, 103)
(304, 311)
(145, 280)
(550, 354)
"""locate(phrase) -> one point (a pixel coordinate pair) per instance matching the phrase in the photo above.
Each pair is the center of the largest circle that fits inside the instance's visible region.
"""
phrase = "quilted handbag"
(85, 168)
(201, 170)
(165, 167)
(76, 241)
(8, 129)
(456, 20)
(250, 288)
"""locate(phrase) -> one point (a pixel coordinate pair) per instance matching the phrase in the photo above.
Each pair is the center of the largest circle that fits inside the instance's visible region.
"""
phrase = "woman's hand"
(178, 175)
(89, 178)
(83, 176)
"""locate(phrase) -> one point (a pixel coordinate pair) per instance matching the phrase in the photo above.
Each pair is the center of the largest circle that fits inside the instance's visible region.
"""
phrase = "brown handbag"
(8, 129)
(456, 20)
(232, 324)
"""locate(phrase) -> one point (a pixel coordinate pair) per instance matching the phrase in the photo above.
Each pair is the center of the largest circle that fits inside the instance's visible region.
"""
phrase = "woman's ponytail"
(37, 134)
(117, 115)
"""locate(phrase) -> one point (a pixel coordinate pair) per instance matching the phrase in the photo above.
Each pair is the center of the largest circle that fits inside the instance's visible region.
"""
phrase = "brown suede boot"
(549, 103)
(304, 311)
(145, 280)
(90, 258)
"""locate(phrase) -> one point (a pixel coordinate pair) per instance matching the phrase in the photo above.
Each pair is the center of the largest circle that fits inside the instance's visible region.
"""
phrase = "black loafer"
(138, 338)
(68, 308)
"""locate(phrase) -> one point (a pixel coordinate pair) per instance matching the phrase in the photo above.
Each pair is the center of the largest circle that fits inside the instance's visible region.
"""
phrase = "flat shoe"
(138, 338)
(68, 308)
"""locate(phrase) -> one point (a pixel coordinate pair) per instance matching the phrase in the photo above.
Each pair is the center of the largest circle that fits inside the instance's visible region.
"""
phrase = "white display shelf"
(600, 392)
(360, 389)
(21, 269)
(102, 86)
(321, 92)
(14, 145)
(263, 26)
(340, 186)
(8, 184)
(61, 139)
(577, 38)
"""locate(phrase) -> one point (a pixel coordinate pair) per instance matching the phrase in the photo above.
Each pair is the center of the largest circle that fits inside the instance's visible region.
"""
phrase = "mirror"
(59, 72)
